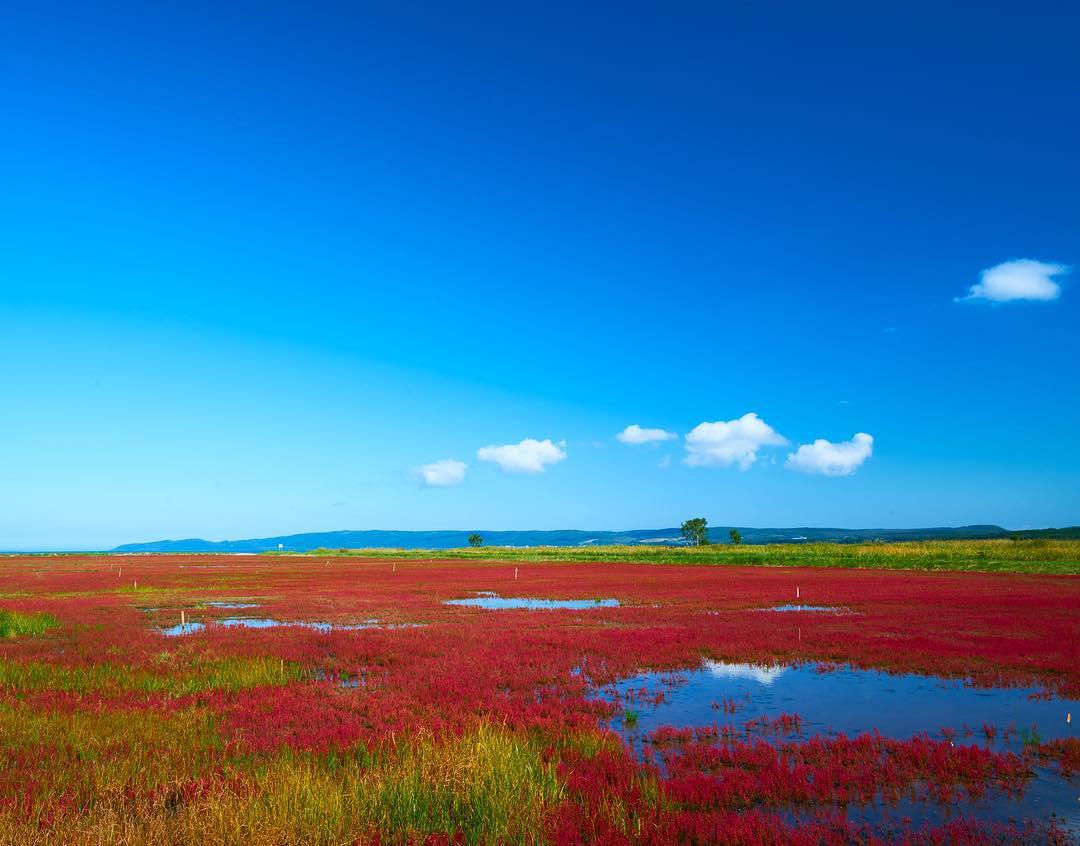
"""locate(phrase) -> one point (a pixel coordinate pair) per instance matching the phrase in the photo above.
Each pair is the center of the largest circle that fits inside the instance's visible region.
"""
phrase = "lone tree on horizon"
(696, 531)
(476, 539)
(736, 536)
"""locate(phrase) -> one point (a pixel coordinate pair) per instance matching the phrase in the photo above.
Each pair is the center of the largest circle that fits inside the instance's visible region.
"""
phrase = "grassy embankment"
(1057, 557)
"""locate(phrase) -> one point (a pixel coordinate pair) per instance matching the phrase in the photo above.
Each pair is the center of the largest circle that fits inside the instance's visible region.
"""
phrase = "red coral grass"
(536, 674)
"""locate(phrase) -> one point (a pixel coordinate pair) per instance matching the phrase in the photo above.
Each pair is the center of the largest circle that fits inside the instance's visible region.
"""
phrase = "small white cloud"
(529, 456)
(1022, 279)
(722, 444)
(442, 474)
(761, 674)
(831, 459)
(634, 434)
(664, 463)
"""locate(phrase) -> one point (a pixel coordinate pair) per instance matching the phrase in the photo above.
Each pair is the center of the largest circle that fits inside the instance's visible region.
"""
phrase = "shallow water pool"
(809, 609)
(232, 604)
(270, 622)
(487, 599)
(852, 701)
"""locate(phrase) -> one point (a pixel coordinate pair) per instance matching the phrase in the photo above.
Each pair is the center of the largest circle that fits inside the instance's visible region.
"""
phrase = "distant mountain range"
(380, 539)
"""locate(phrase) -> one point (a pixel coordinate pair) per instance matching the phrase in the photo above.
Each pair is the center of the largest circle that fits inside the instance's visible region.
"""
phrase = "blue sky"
(260, 262)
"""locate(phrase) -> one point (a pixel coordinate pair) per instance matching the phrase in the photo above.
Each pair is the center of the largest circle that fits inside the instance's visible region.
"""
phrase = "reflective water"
(186, 628)
(270, 622)
(852, 701)
(829, 609)
(232, 604)
(487, 599)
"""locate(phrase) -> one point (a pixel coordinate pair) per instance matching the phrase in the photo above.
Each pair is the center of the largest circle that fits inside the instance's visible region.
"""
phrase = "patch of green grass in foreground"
(15, 623)
(1054, 557)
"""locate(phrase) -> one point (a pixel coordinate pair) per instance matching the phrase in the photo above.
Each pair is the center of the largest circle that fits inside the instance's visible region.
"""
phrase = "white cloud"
(442, 474)
(736, 441)
(1022, 279)
(664, 463)
(634, 434)
(529, 456)
(762, 675)
(831, 459)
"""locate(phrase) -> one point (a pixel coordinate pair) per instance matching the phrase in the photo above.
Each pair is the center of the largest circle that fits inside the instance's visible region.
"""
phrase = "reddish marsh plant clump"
(444, 723)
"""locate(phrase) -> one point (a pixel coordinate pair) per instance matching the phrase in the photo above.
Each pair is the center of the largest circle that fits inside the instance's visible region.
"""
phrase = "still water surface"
(852, 701)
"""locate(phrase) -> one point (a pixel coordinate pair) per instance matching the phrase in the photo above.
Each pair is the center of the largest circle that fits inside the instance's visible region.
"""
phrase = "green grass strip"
(17, 624)
(1054, 557)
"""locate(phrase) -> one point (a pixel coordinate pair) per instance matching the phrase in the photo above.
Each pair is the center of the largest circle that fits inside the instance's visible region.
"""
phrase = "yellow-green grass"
(16, 623)
(81, 753)
(1061, 557)
(491, 784)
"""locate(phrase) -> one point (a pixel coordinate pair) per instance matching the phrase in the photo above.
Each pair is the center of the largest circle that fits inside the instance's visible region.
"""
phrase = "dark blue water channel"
(852, 701)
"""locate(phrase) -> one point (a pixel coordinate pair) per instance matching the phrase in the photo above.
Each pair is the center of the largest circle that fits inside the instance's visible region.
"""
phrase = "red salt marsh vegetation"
(400, 718)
